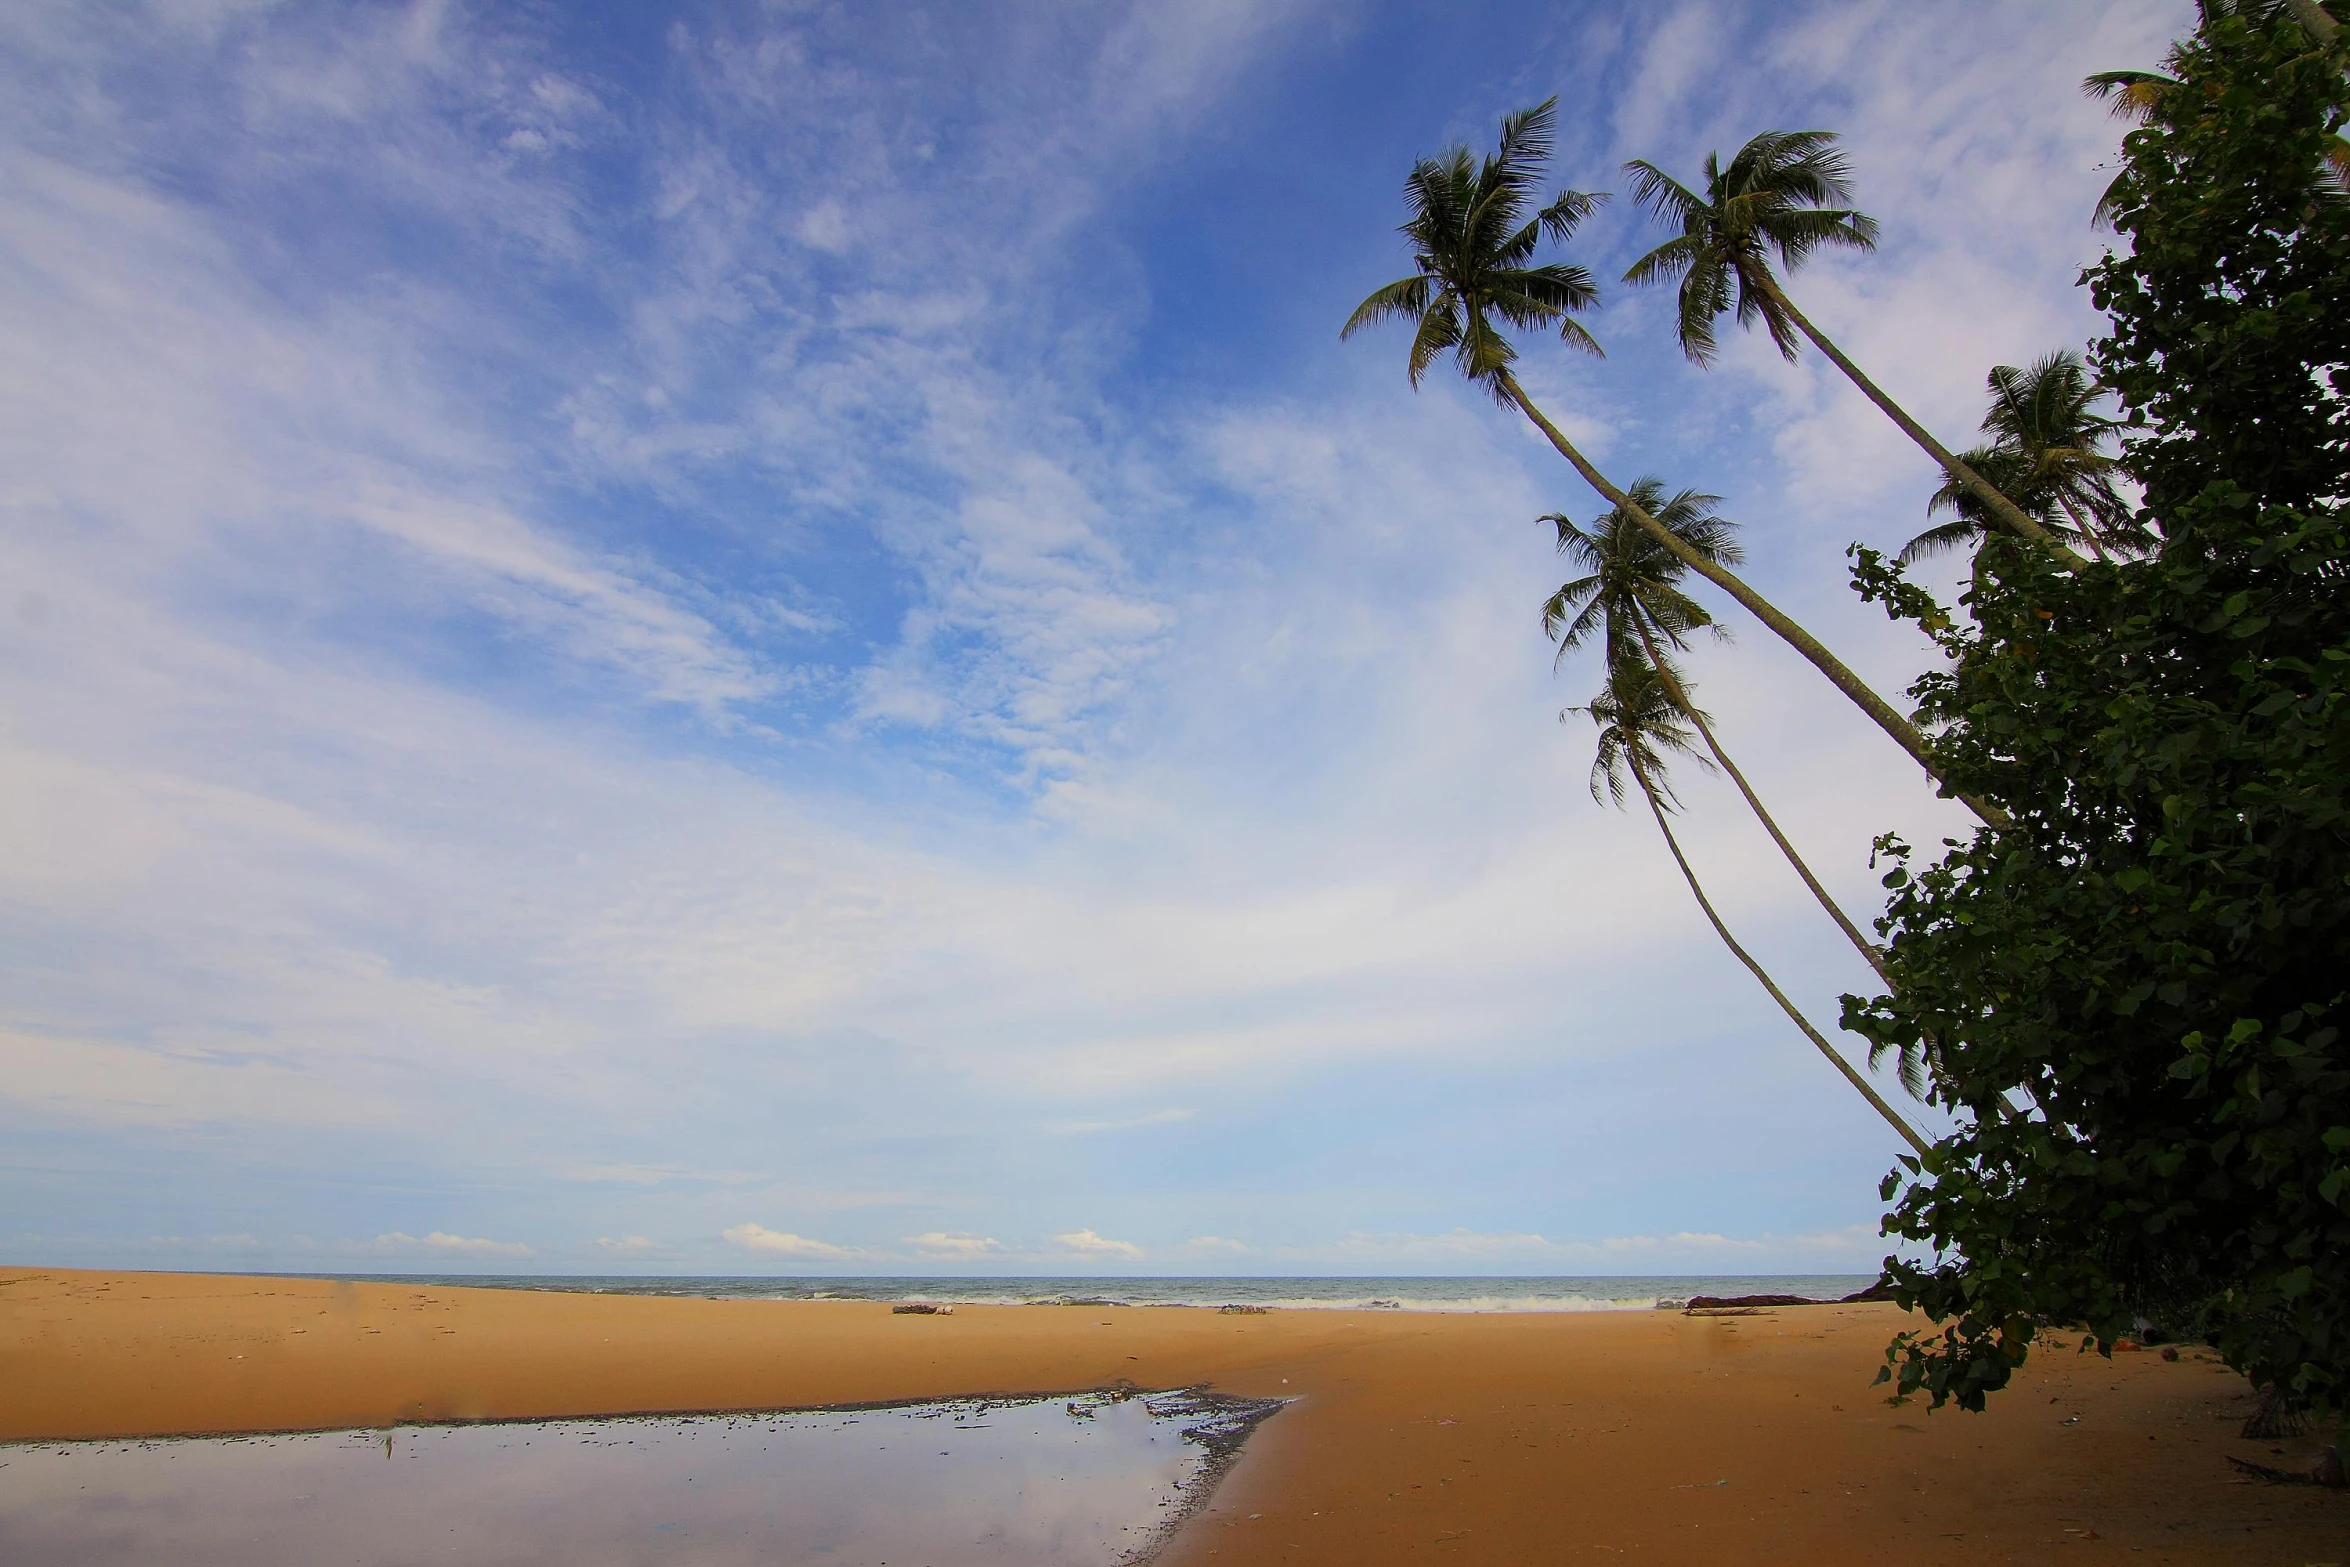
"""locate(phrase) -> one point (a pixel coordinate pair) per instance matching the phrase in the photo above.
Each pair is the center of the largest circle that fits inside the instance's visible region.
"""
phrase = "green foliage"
(1781, 195)
(2153, 965)
(1628, 580)
(2045, 455)
(1473, 242)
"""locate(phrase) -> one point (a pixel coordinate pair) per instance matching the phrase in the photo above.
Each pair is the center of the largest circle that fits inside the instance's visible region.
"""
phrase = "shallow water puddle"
(1094, 1480)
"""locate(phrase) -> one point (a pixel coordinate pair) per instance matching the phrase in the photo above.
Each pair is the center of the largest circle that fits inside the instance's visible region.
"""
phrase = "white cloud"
(955, 1244)
(1087, 1243)
(757, 1237)
(1215, 1243)
(825, 227)
(1129, 1123)
(454, 1245)
(625, 1245)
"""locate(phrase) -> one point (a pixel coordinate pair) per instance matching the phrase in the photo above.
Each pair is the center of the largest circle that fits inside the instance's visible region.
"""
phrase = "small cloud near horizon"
(757, 1237)
(624, 1244)
(443, 1241)
(1093, 1245)
(941, 1243)
(1131, 1123)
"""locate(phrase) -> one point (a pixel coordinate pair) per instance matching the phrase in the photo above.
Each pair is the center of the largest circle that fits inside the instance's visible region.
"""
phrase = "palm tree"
(1474, 232)
(1640, 729)
(1629, 593)
(1781, 195)
(2044, 450)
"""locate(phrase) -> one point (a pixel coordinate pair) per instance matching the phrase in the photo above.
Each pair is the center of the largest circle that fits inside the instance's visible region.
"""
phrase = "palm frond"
(1405, 297)
(1566, 213)
(1796, 234)
(1484, 353)
(1526, 134)
(1940, 540)
(1440, 329)
(1756, 303)
(1576, 336)
(1805, 167)
(1552, 289)
(1704, 294)
(1910, 1065)
(2130, 95)
(1660, 194)
(1573, 615)
(1669, 260)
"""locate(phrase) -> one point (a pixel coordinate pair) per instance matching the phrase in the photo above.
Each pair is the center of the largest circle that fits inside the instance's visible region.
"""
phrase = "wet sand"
(1415, 1437)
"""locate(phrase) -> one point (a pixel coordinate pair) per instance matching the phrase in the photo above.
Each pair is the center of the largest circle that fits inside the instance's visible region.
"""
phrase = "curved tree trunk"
(2006, 512)
(2088, 534)
(1904, 733)
(1680, 699)
(1867, 1090)
(2320, 27)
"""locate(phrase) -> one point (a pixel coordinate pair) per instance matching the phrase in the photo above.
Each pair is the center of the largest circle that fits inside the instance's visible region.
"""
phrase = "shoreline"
(1506, 1436)
(1285, 1292)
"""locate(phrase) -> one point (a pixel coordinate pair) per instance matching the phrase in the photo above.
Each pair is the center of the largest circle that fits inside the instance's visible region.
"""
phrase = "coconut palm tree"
(1474, 230)
(1640, 730)
(2045, 451)
(1629, 594)
(1782, 195)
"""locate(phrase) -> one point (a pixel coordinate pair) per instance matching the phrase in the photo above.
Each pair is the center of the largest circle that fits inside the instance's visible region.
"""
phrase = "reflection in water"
(1094, 1480)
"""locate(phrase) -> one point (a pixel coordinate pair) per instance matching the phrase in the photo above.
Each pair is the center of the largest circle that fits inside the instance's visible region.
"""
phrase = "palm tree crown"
(1644, 716)
(2046, 454)
(1474, 234)
(1628, 575)
(1630, 594)
(1641, 729)
(1473, 240)
(1782, 195)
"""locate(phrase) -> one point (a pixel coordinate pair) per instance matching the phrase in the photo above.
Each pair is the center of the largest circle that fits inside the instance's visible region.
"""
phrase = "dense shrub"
(2139, 990)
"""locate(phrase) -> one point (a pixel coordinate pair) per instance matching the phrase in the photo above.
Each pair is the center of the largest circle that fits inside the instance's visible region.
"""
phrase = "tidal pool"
(1096, 1480)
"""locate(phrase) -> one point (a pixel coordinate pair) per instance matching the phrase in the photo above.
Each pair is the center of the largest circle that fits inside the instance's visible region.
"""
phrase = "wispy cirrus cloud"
(735, 621)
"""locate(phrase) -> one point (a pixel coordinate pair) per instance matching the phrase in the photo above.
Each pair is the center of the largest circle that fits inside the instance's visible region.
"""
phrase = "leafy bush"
(2139, 990)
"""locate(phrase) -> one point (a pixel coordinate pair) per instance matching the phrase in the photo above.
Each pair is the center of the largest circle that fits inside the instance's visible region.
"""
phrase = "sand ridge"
(1504, 1438)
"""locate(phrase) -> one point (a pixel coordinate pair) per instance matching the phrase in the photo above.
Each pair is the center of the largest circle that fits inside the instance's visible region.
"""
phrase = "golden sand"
(1416, 1437)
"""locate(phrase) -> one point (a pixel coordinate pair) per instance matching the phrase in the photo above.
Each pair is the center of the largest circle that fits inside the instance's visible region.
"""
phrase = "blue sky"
(730, 637)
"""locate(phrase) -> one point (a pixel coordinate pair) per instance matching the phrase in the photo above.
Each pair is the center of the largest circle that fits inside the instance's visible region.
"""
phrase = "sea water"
(1625, 1293)
(1095, 1480)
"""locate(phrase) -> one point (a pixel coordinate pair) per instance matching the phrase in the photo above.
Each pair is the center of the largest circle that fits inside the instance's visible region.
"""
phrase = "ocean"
(1403, 1293)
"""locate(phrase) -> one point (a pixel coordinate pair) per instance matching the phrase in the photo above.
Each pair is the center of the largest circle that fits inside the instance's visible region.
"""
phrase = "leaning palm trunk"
(2314, 21)
(1904, 733)
(1862, 1084)
(2004, 511)
(1688, 710)
(2088, 534)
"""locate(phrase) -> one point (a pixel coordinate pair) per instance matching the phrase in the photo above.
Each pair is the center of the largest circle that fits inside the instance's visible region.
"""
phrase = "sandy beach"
(1414, 1437)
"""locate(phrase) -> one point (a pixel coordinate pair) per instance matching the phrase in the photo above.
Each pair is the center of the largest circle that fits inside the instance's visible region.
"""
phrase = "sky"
(720, 637)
